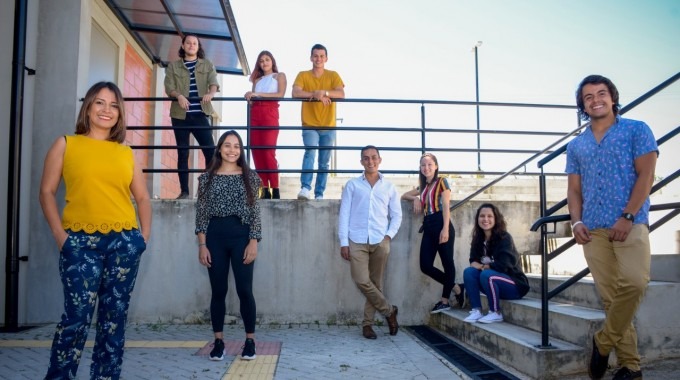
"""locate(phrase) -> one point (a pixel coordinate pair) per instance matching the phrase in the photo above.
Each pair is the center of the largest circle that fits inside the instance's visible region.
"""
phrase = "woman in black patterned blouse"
(228, 229)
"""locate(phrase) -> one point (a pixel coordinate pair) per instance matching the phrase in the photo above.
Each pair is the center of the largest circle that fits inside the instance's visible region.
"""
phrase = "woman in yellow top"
(98, 236)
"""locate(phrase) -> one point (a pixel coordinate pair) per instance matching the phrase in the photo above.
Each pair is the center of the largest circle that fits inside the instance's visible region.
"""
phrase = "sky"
(532, 52)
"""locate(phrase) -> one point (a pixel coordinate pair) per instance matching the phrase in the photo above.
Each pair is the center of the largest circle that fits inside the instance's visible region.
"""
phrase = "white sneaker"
(318, 197)
(492, 317)
(474, 316)
(305, 194)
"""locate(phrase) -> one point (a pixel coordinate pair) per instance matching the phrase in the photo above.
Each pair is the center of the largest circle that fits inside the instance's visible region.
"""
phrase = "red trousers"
(265, 114)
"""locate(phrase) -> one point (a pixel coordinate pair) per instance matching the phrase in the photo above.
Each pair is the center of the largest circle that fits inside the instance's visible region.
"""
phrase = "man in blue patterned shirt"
(610, 169)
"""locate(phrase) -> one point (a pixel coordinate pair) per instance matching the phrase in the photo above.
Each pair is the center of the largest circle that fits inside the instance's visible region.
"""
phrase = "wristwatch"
(327, 94)
(628, 216)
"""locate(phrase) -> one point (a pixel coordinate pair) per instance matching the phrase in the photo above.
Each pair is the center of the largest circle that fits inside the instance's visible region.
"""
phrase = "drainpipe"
(14, 169)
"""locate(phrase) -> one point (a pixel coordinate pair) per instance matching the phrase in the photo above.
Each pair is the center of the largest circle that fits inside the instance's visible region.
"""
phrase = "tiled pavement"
(308, 351)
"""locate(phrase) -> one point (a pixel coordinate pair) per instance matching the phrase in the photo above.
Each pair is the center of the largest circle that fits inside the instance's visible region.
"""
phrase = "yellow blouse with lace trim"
(97, 175)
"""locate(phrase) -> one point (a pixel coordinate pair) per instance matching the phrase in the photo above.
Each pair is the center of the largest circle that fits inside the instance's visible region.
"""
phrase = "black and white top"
(227, 197)
(194, 105)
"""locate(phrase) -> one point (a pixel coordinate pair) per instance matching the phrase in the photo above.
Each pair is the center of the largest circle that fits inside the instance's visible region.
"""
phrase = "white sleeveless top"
(267, 83)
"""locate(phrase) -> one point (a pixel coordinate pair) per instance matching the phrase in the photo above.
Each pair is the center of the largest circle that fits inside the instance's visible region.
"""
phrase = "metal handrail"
(422, 129)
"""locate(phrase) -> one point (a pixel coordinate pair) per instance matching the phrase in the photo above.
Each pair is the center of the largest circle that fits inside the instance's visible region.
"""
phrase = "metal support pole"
(422, 128)
(14, 170)
(479, 154)
(545, 342)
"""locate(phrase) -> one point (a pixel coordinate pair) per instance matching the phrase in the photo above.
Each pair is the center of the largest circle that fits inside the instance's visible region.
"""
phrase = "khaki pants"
(367, 264)
(621, 274)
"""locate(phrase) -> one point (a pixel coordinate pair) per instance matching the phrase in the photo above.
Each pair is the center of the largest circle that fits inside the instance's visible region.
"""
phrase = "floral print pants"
(95, 266)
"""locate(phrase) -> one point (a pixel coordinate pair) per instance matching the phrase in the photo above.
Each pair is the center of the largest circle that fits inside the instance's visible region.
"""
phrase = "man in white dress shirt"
(370, 216)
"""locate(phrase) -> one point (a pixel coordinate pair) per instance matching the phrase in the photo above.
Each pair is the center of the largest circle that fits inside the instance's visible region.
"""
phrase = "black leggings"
(200, 127)
(226, 239)
(429, 247)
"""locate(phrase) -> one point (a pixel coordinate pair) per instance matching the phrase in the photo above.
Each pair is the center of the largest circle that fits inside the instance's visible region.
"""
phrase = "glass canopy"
(158, 24)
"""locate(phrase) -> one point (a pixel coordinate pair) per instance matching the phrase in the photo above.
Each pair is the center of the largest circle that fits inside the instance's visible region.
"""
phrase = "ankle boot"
(265, 193)
(275, 193)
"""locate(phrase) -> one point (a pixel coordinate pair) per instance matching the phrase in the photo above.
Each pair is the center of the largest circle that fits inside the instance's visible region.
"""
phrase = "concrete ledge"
(299, 274)
(666, 268)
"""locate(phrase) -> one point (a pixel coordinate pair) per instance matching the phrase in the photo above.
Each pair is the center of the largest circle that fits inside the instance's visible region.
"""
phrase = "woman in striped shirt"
(432, 199)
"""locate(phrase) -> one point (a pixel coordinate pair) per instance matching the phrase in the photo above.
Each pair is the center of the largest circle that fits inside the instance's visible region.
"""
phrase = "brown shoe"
(369, 333)
(392, 321)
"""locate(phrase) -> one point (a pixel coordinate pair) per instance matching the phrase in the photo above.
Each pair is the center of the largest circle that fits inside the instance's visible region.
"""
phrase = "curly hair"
(596, 79)
(497, 232)
(182, 53)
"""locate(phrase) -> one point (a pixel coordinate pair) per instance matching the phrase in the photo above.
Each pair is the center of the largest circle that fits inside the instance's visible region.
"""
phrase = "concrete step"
(658, 330)
(582, 293)
(513, 345)
(574, 324)
(574, 316)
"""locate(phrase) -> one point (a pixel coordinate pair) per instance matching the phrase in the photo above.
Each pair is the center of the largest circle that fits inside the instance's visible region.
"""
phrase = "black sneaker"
(183, 195)
(248, 350)
(460, 297)
(439, 307)
(626, 374)
(217, 352)
(598, 363)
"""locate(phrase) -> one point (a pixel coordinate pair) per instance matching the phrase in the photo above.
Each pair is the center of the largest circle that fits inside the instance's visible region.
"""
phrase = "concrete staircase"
(573, 318)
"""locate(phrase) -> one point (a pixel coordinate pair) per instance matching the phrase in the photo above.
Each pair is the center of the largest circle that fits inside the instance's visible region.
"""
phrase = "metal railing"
(423, 130)
(547, 216)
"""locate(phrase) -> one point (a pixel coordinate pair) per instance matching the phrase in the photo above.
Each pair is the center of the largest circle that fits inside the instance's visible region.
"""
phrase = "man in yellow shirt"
(318, 119)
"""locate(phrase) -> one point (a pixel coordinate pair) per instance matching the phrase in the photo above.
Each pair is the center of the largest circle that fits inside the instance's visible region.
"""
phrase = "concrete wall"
(299, 274)
(62, 53)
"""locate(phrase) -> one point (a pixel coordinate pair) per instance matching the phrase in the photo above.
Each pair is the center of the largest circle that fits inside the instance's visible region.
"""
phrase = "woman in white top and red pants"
(268, 82)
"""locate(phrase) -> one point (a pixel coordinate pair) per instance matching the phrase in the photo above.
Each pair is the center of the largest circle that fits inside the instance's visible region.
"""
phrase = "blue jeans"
(495, 285)
(95, 266)
(316, 138)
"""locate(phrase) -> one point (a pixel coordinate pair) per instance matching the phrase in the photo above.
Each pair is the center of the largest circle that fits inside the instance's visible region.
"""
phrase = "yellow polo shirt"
(315, 114)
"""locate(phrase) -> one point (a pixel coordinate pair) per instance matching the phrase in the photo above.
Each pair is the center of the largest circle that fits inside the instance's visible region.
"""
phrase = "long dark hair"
(422, 181)
(497, 232)
(216, 162)
(596, 79)
(258, 72)
(117, 133)
(182, 53)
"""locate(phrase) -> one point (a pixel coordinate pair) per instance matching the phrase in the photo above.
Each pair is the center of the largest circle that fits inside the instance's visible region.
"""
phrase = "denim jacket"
(177, 79)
